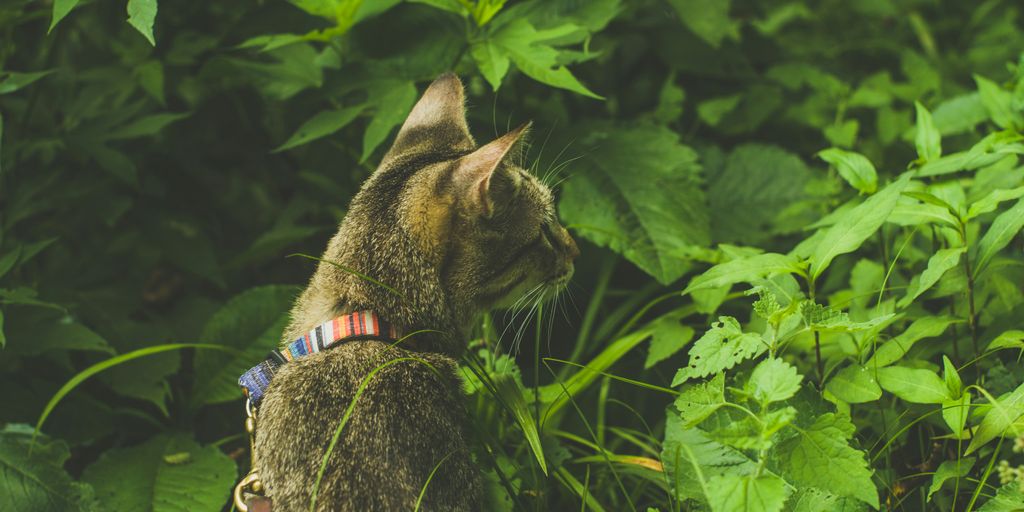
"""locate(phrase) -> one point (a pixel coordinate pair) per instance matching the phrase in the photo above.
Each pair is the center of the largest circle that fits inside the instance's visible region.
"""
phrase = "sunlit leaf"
(142, 15)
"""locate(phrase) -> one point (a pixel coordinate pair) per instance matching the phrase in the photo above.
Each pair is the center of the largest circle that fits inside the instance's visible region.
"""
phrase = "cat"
(446, 230)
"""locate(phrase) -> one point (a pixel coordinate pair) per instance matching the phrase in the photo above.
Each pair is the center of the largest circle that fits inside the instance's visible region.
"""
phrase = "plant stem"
(972, 318)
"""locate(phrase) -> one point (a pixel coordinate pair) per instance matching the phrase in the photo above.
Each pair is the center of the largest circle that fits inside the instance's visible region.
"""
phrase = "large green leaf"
(821, 457)
(168, 473)
(525, 46)
(685, 449)
(958, 468)
(669, 336)
(745, 270)
(142, 15)
(855, 168)
(940, 263)
(698, 401)
(854, 384)
(723, 346)
(750, 493)
(1002, 417)
(321, 125)
(32, 476)
(639, 196)
(773, 380)
(915, 385)
(894, 349)
(1006, 226)
(853, 228)
(252, 322)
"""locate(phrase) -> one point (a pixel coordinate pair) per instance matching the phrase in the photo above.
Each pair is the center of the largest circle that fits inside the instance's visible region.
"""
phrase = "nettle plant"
(916, 343)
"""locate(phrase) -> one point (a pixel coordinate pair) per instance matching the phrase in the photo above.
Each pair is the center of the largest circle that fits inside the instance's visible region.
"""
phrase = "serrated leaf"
(320, 125)
(142, 478)
(894, 349)
(491, 61)
(745, 270)
(1000, 418)
(927, 139)
(638, 196)
(142, 15)
(773, 380)
(958, 468)
(32, 476)
(392, 102)
(941, 262)
(855, 168)
(855, 385)
(61, 8)
(1009, 498)
(698, 401)
(685, 448)
(750, 493)
(856, 226)
(709, 19)
(821, 457)
(524, 45)
(720, 348)
(668, 337)
(251, 322)
(915, 385)
(1006, 226)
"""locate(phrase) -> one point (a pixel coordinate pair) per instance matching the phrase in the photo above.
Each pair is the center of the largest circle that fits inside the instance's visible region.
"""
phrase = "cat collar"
(353, 326)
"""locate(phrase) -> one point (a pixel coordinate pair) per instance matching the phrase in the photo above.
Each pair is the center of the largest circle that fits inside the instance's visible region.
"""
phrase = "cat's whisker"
(521, 304)
(555, 170)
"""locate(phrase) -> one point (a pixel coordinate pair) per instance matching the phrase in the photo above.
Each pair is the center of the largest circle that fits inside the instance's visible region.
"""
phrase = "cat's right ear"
(437, 121)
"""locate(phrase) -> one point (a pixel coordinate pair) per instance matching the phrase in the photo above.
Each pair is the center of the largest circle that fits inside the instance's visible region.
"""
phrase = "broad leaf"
(668, 337)
(685, 448)
(698, 401)
(524, 45)
(955, 413)
(61, 8)
(12, 80)
(32, 476)
(941, 262)
(1009, 498)
(142, 15)
(894, 349)
(750, 493)
(392, 102)
(998, 102)
(853, 167)
(821, 457)
(745, 270)
(320, 125)
(856, 226)
(491, 60)
(168, 473)
(914, 385)
(638, 196)
(773, 380)
(958, 468)
(1006, 226)
(709, 19)
(721, 348)
(999, 419)
(854, 384)
(1008, 339)
(251, 322)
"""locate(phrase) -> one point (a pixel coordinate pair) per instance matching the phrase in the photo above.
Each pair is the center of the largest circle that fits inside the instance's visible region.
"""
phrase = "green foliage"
(800, 221)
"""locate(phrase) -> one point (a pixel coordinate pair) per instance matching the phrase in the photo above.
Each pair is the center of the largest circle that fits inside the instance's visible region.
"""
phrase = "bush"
(776, 310)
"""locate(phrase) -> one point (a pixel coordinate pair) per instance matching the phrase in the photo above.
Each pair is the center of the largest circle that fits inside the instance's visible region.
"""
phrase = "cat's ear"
(437, 120)
(474, 171)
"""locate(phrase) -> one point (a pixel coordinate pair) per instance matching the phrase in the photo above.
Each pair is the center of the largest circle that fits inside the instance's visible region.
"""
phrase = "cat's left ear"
(474, 172)
(437, 121)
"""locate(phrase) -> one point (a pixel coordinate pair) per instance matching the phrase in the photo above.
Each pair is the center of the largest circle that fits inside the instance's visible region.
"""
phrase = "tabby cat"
(452, 230)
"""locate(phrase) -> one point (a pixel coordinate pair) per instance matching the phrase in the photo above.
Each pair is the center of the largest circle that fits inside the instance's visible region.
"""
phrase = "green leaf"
(927, 140)
(252, 323)
(512, 394)
(1009, 498)
(698, 401)
(854, 168)
(61, 8)
(1006, 226)
(856, 226)
(52, 335)
(821, 457)
(773, 380)
(454, 6)
(709, 19)
(991, 201)
(1008, 339)
(712, 111)
(687, 448)
(168, 473)
(960, 114)
(952, 378)
(669, 336)
(720, 348)
(989, 150)
(809, 499)
(941, 262)
(523, 44)
(13, 80)
(320, 125)
(32, 476)
(855, 385)
(392, 102)
(958, 468)
(1000, 418)
(491, 60)
(955, 413)
(146, 126)
(894, 349)
(750, 493)
(638, 195)
(142, 15)
(998, 102)
(914, 385)
(745, 270)
(8, 260)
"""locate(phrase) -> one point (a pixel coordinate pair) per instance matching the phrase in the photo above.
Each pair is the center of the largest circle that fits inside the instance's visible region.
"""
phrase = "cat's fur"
(455, 230)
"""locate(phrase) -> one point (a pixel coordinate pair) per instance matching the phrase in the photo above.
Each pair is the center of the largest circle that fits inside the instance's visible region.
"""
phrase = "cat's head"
(445, 218)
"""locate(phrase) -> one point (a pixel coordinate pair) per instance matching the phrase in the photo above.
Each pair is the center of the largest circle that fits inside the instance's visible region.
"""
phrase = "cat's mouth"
(560, 280)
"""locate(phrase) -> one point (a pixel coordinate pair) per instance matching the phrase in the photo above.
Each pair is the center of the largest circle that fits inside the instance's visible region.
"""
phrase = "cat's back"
(407, 417)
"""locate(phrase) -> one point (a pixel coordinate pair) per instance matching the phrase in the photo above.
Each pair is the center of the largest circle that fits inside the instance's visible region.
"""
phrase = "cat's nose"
(570, 245)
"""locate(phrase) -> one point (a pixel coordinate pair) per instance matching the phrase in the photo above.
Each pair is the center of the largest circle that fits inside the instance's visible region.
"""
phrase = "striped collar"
(352, 326)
